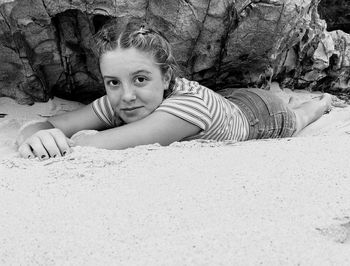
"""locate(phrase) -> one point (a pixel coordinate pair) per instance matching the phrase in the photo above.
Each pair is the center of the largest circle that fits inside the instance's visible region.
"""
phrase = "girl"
(146, 102)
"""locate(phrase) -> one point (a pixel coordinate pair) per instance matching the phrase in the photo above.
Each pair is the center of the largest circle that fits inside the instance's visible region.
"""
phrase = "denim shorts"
(268, 116)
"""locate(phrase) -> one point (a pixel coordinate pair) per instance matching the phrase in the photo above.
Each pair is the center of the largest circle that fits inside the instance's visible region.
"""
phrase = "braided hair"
(114, 35)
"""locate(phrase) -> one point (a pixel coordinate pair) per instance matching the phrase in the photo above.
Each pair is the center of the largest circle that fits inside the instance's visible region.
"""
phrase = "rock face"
(336, 14)
(46, 45)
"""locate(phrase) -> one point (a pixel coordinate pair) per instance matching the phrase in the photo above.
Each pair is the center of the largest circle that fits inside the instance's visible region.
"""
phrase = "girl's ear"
(167, 79)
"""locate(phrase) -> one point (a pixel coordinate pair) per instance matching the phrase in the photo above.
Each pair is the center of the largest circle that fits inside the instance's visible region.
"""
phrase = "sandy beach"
(266, 202)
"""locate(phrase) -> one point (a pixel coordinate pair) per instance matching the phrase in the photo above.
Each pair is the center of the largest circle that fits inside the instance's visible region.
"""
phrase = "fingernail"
(29, 157)
(64, 153)
(55, 155)
(42, 156)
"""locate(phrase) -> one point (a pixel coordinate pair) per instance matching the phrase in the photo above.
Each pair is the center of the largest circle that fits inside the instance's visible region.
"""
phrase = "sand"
(270, 202)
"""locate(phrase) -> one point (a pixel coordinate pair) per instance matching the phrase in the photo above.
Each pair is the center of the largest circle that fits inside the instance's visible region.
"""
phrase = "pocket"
(273, 103)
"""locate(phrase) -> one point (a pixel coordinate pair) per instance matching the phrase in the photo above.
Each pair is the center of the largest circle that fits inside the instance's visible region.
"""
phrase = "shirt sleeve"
(189, 108)
(103, 110)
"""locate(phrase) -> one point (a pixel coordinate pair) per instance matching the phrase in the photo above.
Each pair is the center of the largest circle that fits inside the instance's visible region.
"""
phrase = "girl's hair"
(138, 35)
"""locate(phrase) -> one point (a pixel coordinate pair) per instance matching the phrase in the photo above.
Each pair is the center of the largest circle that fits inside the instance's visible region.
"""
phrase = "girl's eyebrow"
(109, 77)
(132, 74)
(141, 71)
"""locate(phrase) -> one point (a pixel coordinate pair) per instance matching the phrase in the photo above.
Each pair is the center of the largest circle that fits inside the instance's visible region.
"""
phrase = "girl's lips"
(132, 111)
(129, 109)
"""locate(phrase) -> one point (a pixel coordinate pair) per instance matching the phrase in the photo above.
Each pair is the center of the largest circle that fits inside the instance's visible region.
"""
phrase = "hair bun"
(142, 30)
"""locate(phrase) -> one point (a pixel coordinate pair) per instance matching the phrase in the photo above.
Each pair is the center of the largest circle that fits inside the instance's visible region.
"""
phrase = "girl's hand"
(45, 144)
(83, 138)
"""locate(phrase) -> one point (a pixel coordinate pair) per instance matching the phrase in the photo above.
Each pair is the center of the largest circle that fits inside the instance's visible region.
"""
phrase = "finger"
(38, 148)
(61, 141)
(50, 145)
(25, 151)
(71, 142)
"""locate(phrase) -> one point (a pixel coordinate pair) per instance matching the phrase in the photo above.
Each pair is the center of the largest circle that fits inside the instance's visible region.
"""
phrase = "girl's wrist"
(85, 138)
(30, 128)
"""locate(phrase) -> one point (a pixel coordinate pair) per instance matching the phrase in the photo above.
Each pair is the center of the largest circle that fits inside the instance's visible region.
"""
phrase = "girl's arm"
(159, 127)
(49, 138)
(81, 119)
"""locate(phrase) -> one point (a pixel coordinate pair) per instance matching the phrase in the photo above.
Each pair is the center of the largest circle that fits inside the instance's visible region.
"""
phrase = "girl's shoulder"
(185, 86)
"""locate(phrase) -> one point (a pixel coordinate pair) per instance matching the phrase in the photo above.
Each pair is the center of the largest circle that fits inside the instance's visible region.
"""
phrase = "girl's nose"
(129, 94)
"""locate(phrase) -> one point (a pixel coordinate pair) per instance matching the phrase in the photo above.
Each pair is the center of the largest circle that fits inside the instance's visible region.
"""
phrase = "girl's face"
(134, 83)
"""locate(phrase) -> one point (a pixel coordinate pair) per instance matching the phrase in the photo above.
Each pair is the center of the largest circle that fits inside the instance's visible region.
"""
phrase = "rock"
(336, 14)
(46, 46)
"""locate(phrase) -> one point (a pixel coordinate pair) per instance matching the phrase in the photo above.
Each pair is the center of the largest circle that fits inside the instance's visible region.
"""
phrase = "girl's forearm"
(159, 127)
(112, 139)
(32, 128)
(103, 140)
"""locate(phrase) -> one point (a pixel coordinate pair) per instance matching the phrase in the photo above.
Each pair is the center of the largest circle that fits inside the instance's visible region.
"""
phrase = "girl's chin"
(129, 119)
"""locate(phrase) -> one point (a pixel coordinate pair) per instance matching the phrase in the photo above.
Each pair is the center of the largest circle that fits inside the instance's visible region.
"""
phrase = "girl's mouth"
(130, 110)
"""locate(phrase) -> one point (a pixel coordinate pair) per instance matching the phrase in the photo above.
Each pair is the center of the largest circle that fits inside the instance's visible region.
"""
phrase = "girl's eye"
(140, 80)
(113, 83)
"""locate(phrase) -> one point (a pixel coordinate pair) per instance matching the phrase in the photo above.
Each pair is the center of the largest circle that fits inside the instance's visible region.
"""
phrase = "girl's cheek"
(113, 103)
(113, 97)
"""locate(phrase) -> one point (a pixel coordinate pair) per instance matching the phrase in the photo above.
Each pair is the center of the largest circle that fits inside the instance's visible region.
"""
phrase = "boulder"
(46, 45)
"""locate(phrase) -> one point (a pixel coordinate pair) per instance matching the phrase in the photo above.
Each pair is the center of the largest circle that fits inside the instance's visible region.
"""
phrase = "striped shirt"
(218, 118)
(104, 111)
